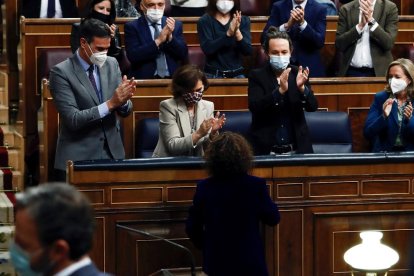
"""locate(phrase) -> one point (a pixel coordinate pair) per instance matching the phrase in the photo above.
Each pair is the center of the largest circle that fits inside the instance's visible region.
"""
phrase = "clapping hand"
(123, 93)
(217, 122)
(408, 111)
(283, 81)
(386, 107)
(234, 24)
(301, 78)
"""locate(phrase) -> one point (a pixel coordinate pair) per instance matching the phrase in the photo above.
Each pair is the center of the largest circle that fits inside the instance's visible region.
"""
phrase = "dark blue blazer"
(224, 222)
(306, 43)
(142, 51)
(89, 270)
(382, 132)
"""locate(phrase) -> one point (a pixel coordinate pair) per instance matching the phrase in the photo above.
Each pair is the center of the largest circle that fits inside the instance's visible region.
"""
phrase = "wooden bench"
(350, 95)
(324, 201)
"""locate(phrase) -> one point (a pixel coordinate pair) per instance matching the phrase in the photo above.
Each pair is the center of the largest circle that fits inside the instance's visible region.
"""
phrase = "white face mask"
(224, 6)
(154, 15)
(98, 58)
(279, 62)
(397, 85)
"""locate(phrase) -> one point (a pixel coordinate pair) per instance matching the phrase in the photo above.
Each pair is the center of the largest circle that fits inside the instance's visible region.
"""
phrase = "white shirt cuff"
(103, 109)
(303, 26)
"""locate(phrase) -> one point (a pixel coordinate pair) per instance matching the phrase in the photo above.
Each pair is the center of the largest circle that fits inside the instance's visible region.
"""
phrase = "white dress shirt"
(43, 9)
(362, 55)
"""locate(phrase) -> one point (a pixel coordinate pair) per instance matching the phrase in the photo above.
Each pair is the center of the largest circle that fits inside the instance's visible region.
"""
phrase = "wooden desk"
(325, 201)
(351, 95)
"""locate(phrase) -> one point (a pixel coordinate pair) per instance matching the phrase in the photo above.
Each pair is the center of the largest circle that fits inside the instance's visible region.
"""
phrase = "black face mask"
(100, 16)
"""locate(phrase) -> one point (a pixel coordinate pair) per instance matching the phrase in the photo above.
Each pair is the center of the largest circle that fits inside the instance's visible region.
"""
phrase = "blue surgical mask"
(21, 261)
(279, 62)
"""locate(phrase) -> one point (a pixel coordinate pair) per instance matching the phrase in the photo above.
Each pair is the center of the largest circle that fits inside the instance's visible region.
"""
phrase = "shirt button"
(283, 139)
(282, 126)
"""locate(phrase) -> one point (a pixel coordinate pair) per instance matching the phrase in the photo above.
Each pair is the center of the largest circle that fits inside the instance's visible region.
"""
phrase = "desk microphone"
(145, 233)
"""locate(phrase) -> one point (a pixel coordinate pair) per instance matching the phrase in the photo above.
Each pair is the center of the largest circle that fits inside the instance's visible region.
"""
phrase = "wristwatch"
(372, 22)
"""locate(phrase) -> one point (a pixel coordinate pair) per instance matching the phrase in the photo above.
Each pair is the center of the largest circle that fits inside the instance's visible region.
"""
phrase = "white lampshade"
(371, 254)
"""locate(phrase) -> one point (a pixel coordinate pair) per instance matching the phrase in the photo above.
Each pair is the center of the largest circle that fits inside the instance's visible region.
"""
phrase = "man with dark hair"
(305, 22)
(54, 230)
(278, 93)
(154, 43)
(89, 93)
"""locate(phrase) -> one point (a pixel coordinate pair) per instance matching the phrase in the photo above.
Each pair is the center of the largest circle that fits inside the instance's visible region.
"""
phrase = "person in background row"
(90, 95)
(278, 94)
(329, 4)
(154, 44)
(305, 22)
(365, 35)
(188, 7)
(225, 38)
(228, 209)
(49, 9)
(103, 10)
(124, 8)
(54, 232)
(389, 125)
(187, 123)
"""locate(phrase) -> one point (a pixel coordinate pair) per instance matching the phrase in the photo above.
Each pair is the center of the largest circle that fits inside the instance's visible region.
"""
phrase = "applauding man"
(278, 94)
(366, 34)
(154, 43)
(305, 22)
(89, 93)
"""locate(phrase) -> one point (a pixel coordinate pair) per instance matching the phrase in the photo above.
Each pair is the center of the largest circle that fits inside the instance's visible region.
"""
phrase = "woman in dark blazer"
(105, 11)
(389, 125)
(228, 208)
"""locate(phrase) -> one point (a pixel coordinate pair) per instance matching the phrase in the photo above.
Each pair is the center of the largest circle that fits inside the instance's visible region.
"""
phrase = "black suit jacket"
(31, 8)
(265, 104)
(224, 222)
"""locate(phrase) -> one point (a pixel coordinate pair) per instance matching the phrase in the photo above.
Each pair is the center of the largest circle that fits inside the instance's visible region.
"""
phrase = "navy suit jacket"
(142, 51)
(31, 8)
(306, 43)
(89, 270)
(382, 132)
(224, 222)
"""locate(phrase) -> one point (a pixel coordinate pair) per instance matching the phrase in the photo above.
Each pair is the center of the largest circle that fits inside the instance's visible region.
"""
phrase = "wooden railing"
(324, 201)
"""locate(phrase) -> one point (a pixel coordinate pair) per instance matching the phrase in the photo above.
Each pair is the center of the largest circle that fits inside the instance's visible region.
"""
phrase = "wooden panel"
(386, 187)
(136, 195)
(335, 233)
(98, 250)
(290, 249)
(96, 197)
(333, 189)
(290, 190)
(180, 194)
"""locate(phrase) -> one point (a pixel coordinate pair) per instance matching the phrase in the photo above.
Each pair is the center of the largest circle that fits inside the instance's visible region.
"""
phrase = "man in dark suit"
(154, 43)
(46, 9)
(54, 232)
(305, 22)
(278, 93)
(365, 35)
(90, 96)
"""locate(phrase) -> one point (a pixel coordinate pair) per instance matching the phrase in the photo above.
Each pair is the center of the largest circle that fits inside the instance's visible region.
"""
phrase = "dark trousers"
(360, 72)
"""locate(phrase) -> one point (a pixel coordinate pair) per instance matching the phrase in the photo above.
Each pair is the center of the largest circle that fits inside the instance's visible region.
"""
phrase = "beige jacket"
(175, 129)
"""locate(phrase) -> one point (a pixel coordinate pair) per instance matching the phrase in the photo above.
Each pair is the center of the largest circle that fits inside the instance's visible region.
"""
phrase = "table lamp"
(371, 257)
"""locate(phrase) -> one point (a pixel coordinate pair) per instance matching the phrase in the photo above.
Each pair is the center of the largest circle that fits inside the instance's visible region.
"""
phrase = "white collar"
(75, 266)
(303, 4)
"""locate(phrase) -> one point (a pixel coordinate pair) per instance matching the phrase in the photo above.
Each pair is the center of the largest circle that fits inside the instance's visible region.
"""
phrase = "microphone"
(145, 233)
